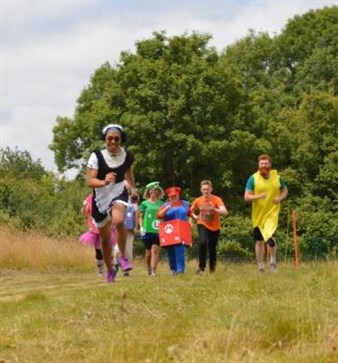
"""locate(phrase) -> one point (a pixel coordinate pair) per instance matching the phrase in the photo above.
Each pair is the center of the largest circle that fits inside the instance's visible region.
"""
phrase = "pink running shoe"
(111, 276)
(125, 264)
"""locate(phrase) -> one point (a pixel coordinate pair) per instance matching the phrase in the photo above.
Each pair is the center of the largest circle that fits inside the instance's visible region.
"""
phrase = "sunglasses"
(114, 138)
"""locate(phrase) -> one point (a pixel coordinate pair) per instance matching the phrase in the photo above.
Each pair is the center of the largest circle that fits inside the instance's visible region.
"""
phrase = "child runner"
(92, 237)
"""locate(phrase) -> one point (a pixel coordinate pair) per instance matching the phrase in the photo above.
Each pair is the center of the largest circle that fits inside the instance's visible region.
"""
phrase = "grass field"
(63, 312)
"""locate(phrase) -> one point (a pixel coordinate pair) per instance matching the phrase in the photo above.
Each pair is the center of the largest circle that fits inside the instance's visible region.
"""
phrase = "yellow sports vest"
(264, 211)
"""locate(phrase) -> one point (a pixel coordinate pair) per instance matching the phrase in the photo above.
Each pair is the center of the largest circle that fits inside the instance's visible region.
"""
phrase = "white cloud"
(51, 48)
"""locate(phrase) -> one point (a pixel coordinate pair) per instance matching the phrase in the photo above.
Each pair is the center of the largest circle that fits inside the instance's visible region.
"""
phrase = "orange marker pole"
(295, 237)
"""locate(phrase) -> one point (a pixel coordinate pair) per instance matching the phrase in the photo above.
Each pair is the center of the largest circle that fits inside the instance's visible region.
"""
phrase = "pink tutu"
(91, 238)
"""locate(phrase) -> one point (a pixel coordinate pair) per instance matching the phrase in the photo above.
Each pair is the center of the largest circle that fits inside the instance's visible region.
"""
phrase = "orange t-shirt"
(207, 216)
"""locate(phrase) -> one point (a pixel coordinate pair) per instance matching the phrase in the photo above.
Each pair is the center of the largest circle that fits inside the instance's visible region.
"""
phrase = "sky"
(51, 48)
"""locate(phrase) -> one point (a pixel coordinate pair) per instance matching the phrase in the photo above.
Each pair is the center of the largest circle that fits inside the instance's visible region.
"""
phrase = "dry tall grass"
(33, 250)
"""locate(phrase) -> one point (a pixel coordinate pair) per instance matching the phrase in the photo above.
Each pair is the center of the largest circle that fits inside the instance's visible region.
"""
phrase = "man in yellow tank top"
(265, 189)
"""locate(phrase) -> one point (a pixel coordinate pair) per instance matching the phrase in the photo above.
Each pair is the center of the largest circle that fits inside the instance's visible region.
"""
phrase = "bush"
(237, 228)
(229, 250)
(317, 226)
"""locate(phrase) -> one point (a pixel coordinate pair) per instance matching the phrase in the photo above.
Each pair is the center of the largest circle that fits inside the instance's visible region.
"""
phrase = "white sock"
(100, 265)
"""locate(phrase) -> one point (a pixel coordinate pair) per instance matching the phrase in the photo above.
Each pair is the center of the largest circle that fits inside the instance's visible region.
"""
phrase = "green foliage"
(236, 227)
(177, 103)
(308, 49)
(317, 226)
(37, 199)
(19, 164)
(233, 251)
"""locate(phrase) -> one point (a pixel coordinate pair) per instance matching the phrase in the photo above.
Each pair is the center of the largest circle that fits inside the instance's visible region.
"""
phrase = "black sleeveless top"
(104, 169)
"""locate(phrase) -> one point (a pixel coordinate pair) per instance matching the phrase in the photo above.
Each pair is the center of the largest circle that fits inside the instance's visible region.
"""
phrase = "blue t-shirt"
(177, 212)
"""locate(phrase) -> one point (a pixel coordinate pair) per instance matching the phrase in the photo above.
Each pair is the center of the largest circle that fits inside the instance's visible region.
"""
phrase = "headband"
(112, 127)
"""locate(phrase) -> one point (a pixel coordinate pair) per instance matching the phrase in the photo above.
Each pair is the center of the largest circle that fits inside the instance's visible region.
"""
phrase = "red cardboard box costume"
(175, 231)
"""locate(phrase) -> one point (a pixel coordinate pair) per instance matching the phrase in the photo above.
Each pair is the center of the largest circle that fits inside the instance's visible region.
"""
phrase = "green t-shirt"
(149, 210)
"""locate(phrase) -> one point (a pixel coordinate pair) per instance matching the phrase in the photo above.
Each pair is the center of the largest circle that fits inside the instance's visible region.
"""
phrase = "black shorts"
(150, 239)
(258, 235)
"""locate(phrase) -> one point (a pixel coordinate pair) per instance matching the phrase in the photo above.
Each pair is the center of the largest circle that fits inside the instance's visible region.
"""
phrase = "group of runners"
(114, 213)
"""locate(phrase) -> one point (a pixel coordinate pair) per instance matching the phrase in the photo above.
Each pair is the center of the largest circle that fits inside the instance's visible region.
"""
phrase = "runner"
(106, 171)
(207, 210)
(175, 208)
(265, 190)
(149, 225)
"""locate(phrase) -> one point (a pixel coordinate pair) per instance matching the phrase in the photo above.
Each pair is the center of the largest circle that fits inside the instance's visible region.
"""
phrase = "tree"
(308, 48)
(177, 101)
(19, 164)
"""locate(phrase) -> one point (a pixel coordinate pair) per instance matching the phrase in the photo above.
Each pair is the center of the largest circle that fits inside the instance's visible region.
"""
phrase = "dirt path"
(16, 285)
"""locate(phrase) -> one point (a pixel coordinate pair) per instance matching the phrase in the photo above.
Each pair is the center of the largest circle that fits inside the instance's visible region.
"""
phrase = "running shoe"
(111, 276)
(125, 264)
(273, 267)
